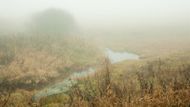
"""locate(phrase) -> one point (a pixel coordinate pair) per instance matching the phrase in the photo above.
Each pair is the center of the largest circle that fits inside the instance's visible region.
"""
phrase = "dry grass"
(150, 82)
(161, 82)
(30, 62)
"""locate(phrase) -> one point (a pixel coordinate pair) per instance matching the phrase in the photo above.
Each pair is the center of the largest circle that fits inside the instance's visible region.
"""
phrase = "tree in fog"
(53, 21)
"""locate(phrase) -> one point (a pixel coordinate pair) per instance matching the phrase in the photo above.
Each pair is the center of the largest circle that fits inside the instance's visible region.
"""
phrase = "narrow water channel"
(65, 85)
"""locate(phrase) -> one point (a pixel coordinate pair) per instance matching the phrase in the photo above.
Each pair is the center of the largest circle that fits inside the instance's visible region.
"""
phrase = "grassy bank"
(30, 61)
(157, 82)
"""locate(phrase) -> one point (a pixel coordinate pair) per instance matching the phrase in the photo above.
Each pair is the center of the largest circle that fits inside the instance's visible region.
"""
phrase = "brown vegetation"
(29, 63)
(161, 82)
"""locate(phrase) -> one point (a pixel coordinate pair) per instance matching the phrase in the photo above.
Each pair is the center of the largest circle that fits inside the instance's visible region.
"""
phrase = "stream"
(67, 83)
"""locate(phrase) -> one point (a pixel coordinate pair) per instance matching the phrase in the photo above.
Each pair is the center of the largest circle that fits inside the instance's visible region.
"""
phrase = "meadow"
(30, 63)
(62, 56)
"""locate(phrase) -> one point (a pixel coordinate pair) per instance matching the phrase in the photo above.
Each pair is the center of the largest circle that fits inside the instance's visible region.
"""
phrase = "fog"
(103, 18)
(94, 53)
(133, 13)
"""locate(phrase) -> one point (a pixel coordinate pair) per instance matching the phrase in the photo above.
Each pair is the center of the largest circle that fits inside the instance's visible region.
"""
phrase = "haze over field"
(94, 53)
(129, 13)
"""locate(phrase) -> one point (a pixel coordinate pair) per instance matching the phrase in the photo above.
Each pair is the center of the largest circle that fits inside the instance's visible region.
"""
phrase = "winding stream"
(116, 57)
(67, 83)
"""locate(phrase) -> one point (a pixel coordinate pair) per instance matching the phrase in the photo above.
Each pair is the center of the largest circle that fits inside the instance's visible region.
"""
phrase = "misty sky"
(93, 11)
